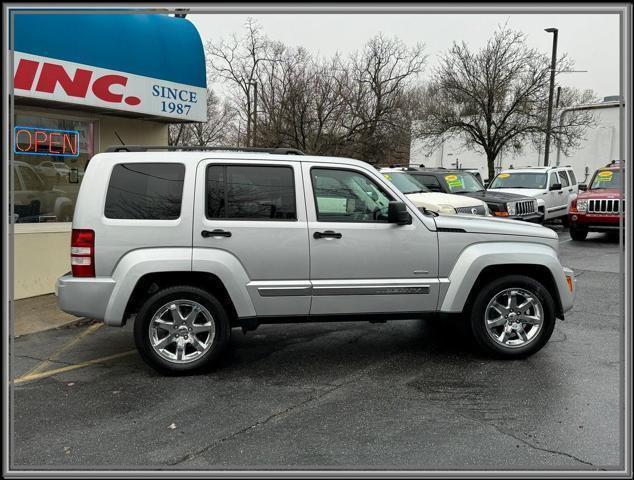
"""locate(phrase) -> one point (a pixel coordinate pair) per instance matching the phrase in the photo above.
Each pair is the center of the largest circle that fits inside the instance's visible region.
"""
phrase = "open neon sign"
(45, 141)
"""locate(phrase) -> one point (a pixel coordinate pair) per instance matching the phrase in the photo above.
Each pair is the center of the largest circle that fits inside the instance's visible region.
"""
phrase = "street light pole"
(553, 65)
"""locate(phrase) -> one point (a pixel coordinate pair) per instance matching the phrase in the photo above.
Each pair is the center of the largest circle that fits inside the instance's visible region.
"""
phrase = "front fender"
(475, 258)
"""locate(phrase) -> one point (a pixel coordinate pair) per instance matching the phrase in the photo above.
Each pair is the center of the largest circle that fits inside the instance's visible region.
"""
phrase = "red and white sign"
(68, 82)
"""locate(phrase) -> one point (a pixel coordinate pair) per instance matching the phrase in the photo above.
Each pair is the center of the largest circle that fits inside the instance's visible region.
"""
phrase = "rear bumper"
(84, 297)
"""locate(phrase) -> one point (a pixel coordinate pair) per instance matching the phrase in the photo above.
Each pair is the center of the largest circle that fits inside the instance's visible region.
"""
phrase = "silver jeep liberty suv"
(193, 241)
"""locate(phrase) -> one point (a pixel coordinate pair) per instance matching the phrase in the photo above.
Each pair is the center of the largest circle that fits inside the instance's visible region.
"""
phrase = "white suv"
(554, 188)
(423, 197)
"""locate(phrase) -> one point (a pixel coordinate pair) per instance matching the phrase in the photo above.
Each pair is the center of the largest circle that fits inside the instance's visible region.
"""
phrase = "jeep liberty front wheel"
(512, 317)
(181, 329)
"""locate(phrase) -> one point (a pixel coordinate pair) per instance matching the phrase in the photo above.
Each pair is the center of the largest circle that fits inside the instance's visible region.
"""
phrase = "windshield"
(461, 182)
(534, 180)
(405, 182)
(606, 179)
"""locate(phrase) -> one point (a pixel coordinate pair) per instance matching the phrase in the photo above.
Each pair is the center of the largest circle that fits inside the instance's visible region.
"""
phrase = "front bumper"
(568, 294)
(536, 217)
(84, 297)
(595, 221)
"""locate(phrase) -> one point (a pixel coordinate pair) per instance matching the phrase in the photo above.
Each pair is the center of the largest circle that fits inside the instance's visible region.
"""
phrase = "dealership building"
(83, 82)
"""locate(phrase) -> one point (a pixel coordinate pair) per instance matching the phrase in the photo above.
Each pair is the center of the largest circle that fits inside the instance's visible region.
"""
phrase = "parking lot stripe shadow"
(55, 355)
(50, 373)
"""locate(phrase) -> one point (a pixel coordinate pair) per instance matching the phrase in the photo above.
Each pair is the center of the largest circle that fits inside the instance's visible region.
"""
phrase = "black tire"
(477, 317)
(578, 233)
(565, 221)
(161, 298)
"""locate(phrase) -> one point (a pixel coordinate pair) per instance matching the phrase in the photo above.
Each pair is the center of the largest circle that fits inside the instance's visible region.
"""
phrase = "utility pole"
(553, 65)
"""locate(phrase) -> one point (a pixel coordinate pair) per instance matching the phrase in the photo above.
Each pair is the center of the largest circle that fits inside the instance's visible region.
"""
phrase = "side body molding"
(477, 257)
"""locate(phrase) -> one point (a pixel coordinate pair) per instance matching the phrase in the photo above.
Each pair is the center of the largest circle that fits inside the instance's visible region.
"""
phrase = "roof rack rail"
(202, 148)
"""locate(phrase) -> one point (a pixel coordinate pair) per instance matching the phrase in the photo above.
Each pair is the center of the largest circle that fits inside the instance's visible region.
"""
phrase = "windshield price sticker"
(504, 175)
(389, 177)
(454, 181)
(605, 176)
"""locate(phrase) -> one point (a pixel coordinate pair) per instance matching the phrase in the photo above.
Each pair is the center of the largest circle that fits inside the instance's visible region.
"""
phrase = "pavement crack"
(60, 362)
(313, 398)
(519, 439)
(532, 445)
(259, 423)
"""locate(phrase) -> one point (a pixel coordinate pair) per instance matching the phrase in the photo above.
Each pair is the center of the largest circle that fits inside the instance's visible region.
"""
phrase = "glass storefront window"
(46, 183)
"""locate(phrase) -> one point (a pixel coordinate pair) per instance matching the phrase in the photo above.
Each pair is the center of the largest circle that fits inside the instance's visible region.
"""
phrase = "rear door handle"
(215, 233)
(327, 234)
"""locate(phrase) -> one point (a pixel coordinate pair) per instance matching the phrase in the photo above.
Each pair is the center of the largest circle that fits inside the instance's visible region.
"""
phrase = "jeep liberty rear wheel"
(578, 233)
(181, 329)
(512, 317)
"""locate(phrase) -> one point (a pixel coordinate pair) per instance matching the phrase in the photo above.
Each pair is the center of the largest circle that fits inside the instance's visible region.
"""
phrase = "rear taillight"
(82, 253)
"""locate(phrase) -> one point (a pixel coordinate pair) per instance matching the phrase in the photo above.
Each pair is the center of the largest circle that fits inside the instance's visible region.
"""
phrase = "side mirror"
(397, 213)
(583, 186)
(555, 186)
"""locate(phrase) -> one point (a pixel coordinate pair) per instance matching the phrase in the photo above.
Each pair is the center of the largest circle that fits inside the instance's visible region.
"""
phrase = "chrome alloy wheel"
(182, 331)
(514, 317)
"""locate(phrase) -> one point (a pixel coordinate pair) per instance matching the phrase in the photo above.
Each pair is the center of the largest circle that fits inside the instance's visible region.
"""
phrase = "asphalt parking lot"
(399, 395)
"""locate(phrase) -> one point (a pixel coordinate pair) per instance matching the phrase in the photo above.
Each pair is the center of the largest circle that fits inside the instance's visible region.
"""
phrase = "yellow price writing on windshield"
(504, 175)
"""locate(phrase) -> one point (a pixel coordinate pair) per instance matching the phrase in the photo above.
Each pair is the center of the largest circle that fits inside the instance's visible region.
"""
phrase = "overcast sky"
(591, 40)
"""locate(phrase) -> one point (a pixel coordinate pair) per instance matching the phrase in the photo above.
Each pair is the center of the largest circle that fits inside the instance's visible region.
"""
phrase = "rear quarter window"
(573, 179)
(145, 191)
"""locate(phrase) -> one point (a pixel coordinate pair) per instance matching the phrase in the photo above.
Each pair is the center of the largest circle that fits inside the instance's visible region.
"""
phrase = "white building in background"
(600, 146)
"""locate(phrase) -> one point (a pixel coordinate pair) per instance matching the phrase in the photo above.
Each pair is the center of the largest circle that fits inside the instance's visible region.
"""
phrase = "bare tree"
(217, 130)
(381, 74)
(237, 61)
(495, 98)
(355, 106)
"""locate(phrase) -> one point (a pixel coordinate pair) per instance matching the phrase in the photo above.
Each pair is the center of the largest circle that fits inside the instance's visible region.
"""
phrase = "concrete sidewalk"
(36, 314)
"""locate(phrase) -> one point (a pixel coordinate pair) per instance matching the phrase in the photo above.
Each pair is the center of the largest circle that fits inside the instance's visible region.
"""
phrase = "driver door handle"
(215, 233)
(327, 234)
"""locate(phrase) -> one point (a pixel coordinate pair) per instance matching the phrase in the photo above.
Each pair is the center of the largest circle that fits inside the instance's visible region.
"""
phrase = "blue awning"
(152, 45)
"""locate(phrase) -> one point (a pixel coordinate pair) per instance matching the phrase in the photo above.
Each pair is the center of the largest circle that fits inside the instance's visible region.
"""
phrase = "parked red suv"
(597, 209)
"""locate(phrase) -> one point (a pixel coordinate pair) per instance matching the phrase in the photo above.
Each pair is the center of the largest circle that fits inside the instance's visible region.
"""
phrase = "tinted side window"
(430, 182)
(573, 179)
(250, 192)
(347, 196)
(145, 191)
(564, 179)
